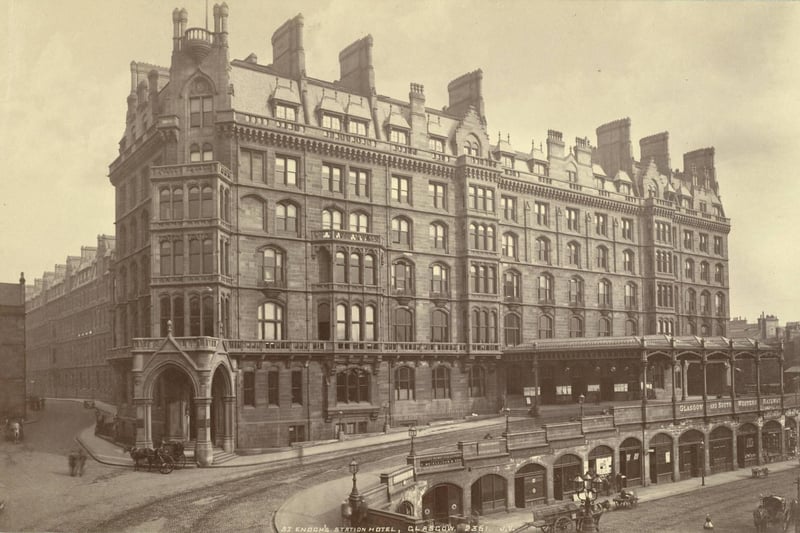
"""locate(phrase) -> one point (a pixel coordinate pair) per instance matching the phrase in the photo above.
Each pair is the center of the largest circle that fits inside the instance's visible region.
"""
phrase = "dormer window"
(507, 161)
(331, 122)
(599, 183)
(625, 188)
(572, 176)
(540, 169)
(357, 127)
(285, 112)
(703, 207)
(398, 136)
(436, 144)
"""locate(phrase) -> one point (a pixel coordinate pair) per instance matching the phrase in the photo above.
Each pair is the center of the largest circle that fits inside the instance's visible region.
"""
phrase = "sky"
(721, 74)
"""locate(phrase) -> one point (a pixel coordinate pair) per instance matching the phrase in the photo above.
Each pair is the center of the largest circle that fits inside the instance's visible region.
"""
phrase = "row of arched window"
(719, 271)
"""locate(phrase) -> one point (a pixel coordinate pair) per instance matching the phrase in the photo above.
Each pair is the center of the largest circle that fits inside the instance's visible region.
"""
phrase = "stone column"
(228, 440)
(203, 452)
(676, 466)
(551, 497)
(759, 446)
(645, 465)
(735, 447)
(706, 455)
(684, 379)
(143, 419)
(783, 438)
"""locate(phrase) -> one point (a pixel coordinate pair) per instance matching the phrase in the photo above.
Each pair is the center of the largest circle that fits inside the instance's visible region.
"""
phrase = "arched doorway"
(771, 440)
(601, 460)
(660, 458)
(746, 445)
(441, 502)
(630, 461)
(720, 450)
(217, 421)
(530, 485)
(489, 494)
(173, 413)
(690, 452)
(565, 470)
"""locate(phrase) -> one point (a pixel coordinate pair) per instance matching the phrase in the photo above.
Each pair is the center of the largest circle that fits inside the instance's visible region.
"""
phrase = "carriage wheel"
(167, 465)
(180, 461)
(564, 525)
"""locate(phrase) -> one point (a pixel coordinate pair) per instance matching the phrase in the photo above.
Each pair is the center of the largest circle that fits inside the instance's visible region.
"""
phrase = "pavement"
(328, 497)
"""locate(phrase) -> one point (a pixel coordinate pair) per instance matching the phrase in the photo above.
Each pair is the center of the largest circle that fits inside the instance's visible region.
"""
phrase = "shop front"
(660, 458)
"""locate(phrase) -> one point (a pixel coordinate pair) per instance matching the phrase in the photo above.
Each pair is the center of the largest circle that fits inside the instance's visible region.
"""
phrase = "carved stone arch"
(154, 371)
(198, 84)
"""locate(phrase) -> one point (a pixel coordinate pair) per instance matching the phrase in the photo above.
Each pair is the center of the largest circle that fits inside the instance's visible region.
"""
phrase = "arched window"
(472, 146)
(576, 290)
(509, 245)
(604, 293)
(543, 250)
(165, 314)
(341, 322)
(195, 256)
(352, 386)
(631, 328)
(705, 303)
(602, 258)
(165, 252)
(404, 388)
(359, 222)
(719, 274)
(369, 323)
(331, 219)
(340, 268)
(401, 231)
(440, 276)
(477, 382)
(208, 152)
(441, 382)
(631, 296)
(719, 304)
(207, 205)
(195, 156)
(705, 330)
(628, 261)
(604, 327)
(164, 206)
(208, 256)
(272, 270)
(704, 271)
(270, 321)
(484, 326)
(402, 325)
(355, 268)
(691, 300)
(324, 322)
(194, 202)
(369, 269)
(575, 326)
(402, 276)
(512, 284)
(689, 269)
(438, 234)
(545, 289)
(574, 254)
(177, 203)
(440, 326)
(512, 329)
(286, 217)
(355, 322)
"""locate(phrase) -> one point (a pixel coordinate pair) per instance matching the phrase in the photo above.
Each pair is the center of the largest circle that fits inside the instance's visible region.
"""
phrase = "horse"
(139, 455)
(760, 519)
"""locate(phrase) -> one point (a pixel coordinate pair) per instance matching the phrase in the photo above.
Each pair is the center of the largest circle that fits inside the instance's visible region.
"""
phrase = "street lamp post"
(339, 434)
(702, 464)
(354, 496)
(581, 399)
(586, 490)
(507, 413)
(412, 432)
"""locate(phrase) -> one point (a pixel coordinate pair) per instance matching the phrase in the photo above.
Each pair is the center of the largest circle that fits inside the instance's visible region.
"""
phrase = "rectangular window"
(249, 389)
(438, 192)
(572, 176)
(359, 183)
(703, 242)
(436, 144)
(200, 111)
(601, 224)
(331, 178)
(509, 206)
(688, 239)
(481, 198)
(357, 127)
(272, 388)
(286, 112)
(398, 136)
(718, 245)
(627, 229)
(540, 169)
(507, 161)
(331, 122)
(573, 219)
(297, 387)
(286, 169)
(401, 189)
(542, 213)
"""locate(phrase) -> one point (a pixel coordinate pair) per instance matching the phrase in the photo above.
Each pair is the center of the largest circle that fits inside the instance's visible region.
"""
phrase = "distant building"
(69, 327)
(12, 349)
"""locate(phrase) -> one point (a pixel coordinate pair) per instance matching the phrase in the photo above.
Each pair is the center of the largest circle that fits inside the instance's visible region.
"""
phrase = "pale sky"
(722, 74)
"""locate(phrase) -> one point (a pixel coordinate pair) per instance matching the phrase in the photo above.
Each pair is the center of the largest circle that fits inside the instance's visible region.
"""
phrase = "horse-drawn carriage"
(772, 512)
(564, 517)
(166, 458)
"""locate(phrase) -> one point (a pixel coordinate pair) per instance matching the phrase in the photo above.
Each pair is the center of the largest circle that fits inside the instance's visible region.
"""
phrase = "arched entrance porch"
(661, 458)
(530, 485)
(441, 502)
(489, 494)
(690, 453)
